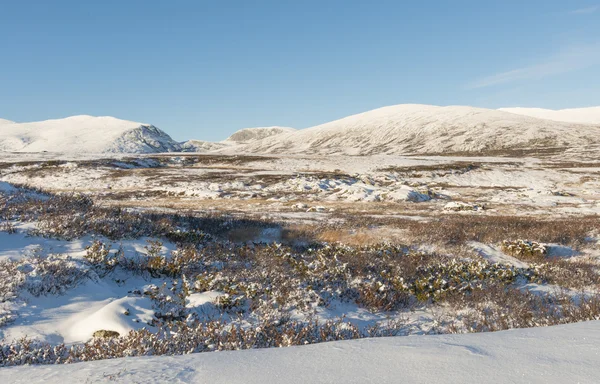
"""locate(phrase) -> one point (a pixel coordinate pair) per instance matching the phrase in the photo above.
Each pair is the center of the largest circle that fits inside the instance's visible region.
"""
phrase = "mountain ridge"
(426, 129)
(396, 130)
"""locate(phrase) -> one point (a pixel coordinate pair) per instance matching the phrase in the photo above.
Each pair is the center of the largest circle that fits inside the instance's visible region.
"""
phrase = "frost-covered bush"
(499, 307)
(99, 255)
(436, 281)
(169, 303)
(7, 314)
(184, 260)
(577, 274)
(39, 275)
(525, 250)
(8, 227)
(183, 338)
(379, 278)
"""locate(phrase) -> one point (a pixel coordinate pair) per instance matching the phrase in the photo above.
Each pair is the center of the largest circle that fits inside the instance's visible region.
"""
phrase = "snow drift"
(85, 134)
(559, 354)
(414, 129)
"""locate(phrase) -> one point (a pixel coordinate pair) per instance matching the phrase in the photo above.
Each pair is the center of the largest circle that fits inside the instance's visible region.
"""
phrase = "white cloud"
(568, 60)
(585, 11)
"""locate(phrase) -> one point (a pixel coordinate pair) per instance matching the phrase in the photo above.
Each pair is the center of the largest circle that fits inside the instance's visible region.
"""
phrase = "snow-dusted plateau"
(459, 244)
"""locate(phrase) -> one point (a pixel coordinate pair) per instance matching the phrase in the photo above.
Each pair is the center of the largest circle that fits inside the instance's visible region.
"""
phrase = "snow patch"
(495, 255)
(121, 315)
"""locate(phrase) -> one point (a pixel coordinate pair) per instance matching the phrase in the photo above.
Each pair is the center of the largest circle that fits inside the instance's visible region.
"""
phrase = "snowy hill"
(400, 129)
(201, 146)
(253, 134)
(575, 115)
(559, 354)
(233, 142)
(85, 134)
(404, 129)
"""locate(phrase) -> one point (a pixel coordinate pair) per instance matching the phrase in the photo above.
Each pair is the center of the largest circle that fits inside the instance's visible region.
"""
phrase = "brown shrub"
(494, 229)
(525, 250)
(498, 307)
(577, 274)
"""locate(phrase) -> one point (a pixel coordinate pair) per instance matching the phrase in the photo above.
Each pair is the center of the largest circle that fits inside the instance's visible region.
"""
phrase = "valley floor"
(182, 253)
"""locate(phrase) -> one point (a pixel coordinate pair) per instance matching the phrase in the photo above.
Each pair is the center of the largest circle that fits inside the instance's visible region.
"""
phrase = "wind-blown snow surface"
(560, 354)
(404, 129)
(4, 121)
(575, 115)
(85, 134)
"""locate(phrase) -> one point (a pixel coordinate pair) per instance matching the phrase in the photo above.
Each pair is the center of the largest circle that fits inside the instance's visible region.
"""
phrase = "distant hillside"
(414, 129)
(576, 115)
(399, 129)
(252, 134)
(85, 134)
(201, 146)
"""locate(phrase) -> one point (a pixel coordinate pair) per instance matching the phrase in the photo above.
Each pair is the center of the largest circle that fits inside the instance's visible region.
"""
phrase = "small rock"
(106, 334)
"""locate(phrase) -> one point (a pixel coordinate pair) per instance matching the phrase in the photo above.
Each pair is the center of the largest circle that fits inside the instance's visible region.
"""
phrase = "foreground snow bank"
(566, 353)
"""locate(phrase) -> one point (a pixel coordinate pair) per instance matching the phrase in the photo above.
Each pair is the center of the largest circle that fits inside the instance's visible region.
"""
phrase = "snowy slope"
(403, 129)
(201, 146)
(252, 134)
(85, 134)
(4, 121)
(560, 354)
(575, 115)
(241, 137)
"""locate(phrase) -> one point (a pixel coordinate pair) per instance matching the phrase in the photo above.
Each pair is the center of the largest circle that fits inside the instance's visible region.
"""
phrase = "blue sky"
(203, 69)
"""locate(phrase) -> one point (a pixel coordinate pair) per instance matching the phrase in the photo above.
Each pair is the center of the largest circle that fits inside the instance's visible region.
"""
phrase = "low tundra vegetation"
(525, 250)
(274, 295)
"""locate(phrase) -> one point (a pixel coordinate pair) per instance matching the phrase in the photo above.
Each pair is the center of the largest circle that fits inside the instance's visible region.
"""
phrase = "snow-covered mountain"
(399, 129)
(575, 115)
(410, 128)
(85, 134)
(253, 134)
